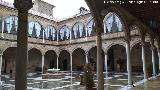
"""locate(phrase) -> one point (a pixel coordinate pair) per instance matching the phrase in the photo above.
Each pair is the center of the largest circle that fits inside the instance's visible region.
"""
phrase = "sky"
(64, 8)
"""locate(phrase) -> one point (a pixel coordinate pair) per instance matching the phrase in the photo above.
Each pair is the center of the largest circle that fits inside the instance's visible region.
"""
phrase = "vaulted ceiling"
(145, 12)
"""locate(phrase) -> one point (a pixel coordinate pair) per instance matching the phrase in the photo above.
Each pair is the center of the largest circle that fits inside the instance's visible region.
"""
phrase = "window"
(64, 33)
(50, 33)
(90, 28)
(10, 25)
(35, 30)
(112, 24)
(78, 31)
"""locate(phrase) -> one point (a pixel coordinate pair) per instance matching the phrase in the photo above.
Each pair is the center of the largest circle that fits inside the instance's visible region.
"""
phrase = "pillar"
(106, 67)
(86, 34)
(129, 67)
(43, 35)
(70, 35)
(42, 62)
(153, 60)
(0, 63)
(57, 62)
(71, 61)
(2, 27)
(144, 60)
(86, 57)
(158, 50)
(22, 43)
(100, 76)
(71, 69)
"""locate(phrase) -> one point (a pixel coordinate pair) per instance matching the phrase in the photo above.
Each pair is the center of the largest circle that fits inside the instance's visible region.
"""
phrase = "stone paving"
(152, 84)
(113, 82)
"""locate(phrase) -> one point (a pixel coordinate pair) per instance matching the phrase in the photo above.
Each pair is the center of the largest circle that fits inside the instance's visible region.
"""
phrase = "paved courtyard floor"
(152, 84)
(115, 81)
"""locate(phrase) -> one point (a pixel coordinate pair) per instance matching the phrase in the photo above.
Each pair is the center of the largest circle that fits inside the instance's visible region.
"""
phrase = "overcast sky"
(64, 8)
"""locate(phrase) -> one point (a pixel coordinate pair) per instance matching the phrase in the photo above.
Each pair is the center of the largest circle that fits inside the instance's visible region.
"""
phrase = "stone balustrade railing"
(72, 41)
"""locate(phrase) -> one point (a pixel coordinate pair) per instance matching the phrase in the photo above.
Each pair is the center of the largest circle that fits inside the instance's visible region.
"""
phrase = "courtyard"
(120, 42)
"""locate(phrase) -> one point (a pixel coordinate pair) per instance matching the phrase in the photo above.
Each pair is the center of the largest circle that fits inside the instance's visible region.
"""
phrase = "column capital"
(23, 5)
(86, 53)
(1, 54)
(105, 53)
(142, 42)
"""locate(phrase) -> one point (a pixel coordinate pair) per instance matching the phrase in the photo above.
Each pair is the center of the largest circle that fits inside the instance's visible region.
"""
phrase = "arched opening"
(9, 60)
(136, 58)
(116, 58)
(78, 59)
(92, 57)
(34, 61)
(78, 31)
(64, 61)
(35, 30)
(112, 23)
(10, 25)
(50, 59)
(90, 28)
(64, 33)
(50, 33)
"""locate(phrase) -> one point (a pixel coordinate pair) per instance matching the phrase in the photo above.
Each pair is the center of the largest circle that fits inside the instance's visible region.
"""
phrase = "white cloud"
(64, 8)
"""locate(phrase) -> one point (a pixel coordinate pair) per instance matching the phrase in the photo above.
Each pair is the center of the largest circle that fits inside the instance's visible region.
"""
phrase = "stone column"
(1, 63)
(144, 60)
(70, 34)
(42, 62)
(22, 43)
(106, 65)
(153, 60)
(158, 50)
(43, 35)
(129, 67)
(2, 27)
(86, 57)
(71, 61)
(86, 34)
(57, 61)
(71, 69)
(100, 76)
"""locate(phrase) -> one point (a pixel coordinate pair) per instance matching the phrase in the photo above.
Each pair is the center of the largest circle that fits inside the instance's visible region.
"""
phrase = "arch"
(135, 43)
(34, 61)
(79, 59)
(8, 46)
(50, 59)
(50, 33)
(64, 60)
(120, 15)
(90, 28)
(37, 48)
(64, 33)
(88, 21)
(114, 24)
(122, 44)
(35, 29)
(117, 58)
(9, 60)
(90, 48)
(92, 57)
(10, 25)
(78, 30)
(77, 48)
(136, 58)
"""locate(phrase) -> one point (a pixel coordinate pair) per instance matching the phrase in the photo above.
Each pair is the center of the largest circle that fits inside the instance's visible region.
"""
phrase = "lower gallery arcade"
(114, 58)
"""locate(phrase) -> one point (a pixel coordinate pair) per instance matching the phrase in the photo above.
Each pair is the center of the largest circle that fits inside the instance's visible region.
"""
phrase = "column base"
(130, 86)
(144, 80)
